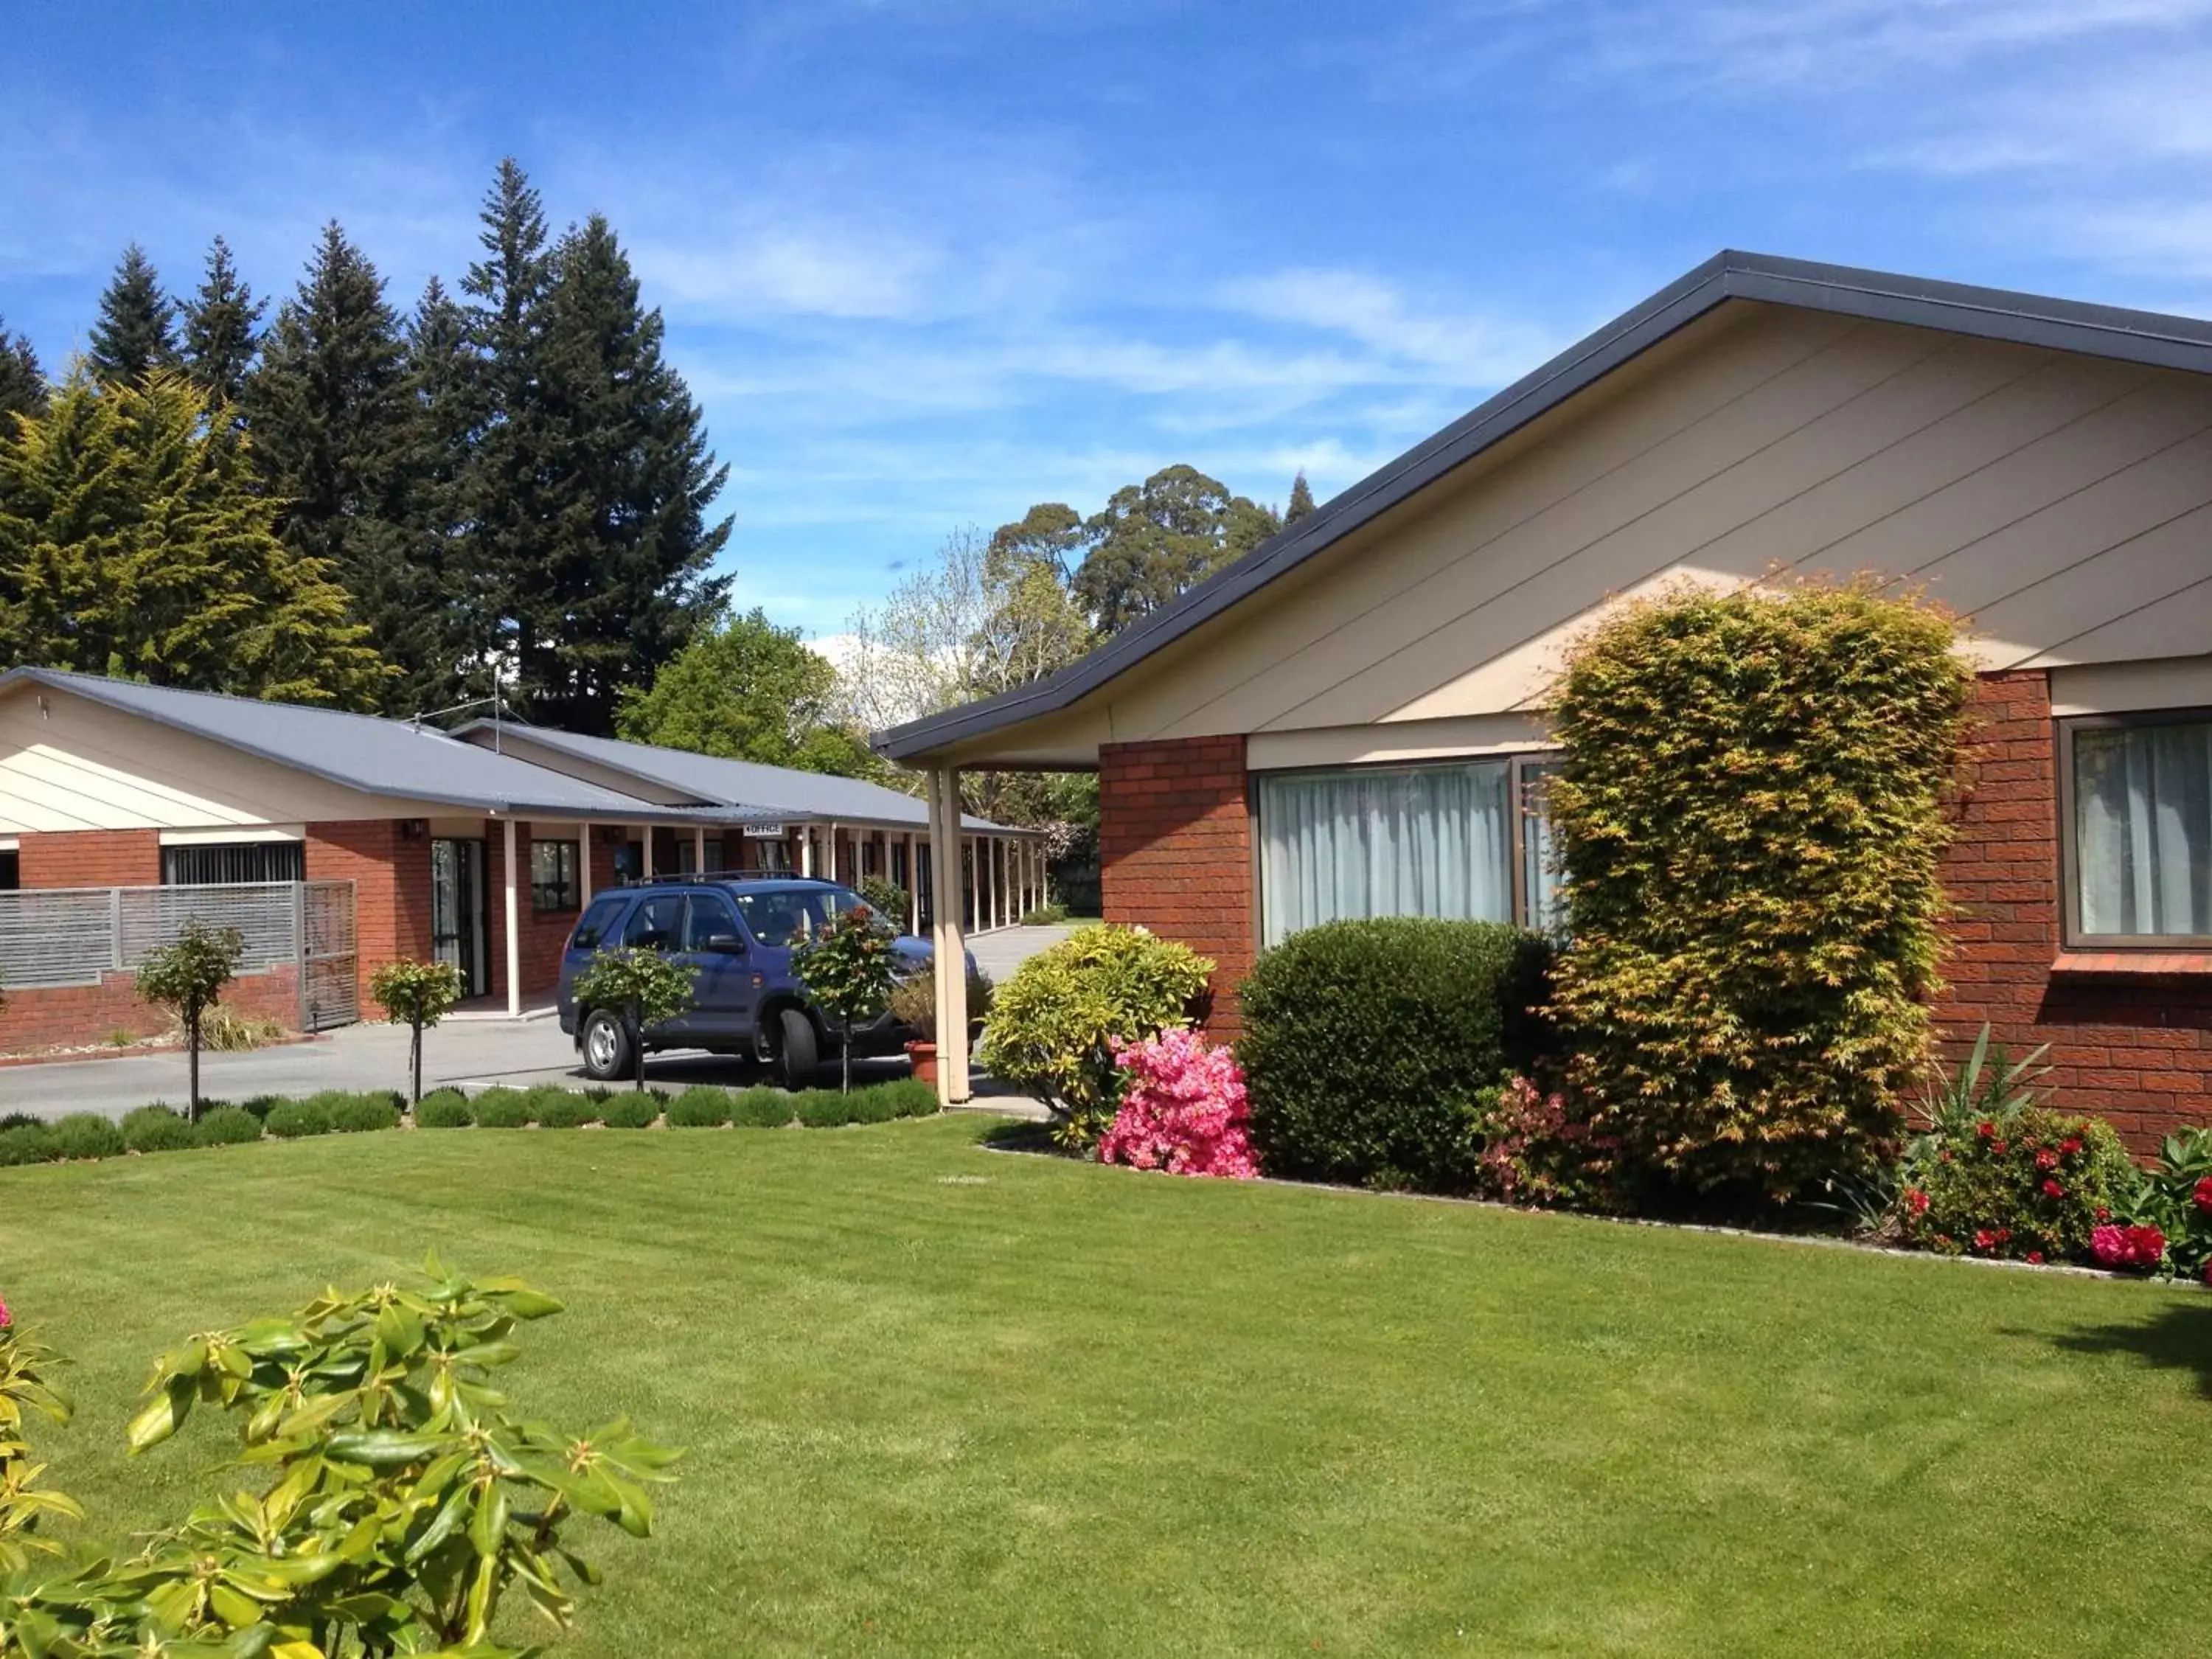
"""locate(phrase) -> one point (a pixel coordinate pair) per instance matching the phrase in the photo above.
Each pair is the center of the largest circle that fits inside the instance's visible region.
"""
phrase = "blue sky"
(926, 262)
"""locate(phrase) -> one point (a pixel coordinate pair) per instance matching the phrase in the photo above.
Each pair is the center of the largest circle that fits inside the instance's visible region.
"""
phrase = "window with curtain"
(2141, 852)
(554, 885)
(1444, 840)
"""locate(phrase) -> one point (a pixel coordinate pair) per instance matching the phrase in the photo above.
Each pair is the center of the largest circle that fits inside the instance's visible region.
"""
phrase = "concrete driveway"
(472, 1053)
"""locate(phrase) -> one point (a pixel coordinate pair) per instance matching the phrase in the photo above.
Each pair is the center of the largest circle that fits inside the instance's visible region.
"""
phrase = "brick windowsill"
(2135, 963)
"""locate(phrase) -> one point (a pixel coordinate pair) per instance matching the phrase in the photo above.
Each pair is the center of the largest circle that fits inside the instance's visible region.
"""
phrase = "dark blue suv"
(737, 933)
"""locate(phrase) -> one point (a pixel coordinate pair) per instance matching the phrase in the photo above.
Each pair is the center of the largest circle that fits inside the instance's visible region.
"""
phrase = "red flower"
(2004, 1235)
(1986, 1128)
(2052, 1190)
(1916, 1200)
(2070, 1146)
(1998, 1147)
(1945, 1155)
(1985, 1239)
(2035, 1257)
(6, 1318)
(2046, 1159)
(2104, 1212)
(2205, 1193)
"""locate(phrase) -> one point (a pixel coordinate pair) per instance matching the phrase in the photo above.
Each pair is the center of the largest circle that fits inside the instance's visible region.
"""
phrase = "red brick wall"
(72, 1016)
(1175, 845)
(91, 858)
(544, 936)
(2135, 1049)
(391, 874)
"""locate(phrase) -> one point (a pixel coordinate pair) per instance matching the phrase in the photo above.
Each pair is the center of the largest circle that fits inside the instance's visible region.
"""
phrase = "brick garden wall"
(1174, 845)
(74, 1016)
(2134, 1049)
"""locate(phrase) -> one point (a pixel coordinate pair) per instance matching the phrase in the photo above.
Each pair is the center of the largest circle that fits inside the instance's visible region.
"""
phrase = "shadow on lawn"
(2177, 1338)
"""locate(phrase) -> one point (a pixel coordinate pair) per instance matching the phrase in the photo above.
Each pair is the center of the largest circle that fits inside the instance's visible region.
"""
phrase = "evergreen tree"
(23, 382)
(219, 324)
(133, 541)
(134, 335)
(331, 421)
(1302, 501)
(443, 382)
(1154, 539)
(624, 493)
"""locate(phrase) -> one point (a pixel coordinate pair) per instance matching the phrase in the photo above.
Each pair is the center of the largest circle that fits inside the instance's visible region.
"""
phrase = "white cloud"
(1466, 347)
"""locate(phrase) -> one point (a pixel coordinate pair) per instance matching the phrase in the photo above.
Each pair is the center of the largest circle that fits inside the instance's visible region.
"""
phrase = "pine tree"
(452, 658)
(134, 541)
(1302, 501)
(23, 382)
(219, 324)
(624, 497)
(134, 335)
(329, 420)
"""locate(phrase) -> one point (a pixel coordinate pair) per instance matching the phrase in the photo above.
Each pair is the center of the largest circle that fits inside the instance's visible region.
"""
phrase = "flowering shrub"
(2174, 1197)
(1182, 1109)
(2032, 1185)
(2138, 1246)
(1536, 1151)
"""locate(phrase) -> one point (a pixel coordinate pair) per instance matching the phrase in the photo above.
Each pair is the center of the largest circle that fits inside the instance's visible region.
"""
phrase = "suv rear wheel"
(610, 1055)
(798, 1056)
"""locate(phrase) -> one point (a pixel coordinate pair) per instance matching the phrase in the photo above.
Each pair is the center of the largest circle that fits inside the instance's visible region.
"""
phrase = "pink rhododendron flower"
(1183, 1109)
(6, 1318)
(2115, 1246)
(1916, 1200)
(2205, 1193)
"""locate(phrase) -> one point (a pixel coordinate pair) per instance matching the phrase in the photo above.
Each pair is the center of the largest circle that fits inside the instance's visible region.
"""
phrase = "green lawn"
(940, 1400)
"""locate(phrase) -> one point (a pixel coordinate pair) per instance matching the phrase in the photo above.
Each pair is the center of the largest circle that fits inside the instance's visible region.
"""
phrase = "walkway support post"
(913, 888)
(513, 922)
(584, 863)
(950, 962)
(698, 849)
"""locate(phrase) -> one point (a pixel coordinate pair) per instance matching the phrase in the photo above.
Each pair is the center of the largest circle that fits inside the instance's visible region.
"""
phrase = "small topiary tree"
(416, 994)
(847, 968)
(649, 986)
(187, 976)
(1055, 1023)
(1750, 815)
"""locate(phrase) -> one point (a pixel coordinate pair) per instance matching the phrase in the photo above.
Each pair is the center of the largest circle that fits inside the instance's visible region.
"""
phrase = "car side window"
(597, 920)
(657, 924)
(710, 915)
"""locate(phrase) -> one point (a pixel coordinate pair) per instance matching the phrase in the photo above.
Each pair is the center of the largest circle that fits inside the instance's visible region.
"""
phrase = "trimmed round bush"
(700, 1107)
(825, 1109)
(291, 1120)
(84, 1134)
(630, 1110)
(29, 1142)
(561, 1109)
(227, 1125)
(365, 1114)
(908, 1097)
(760, 1109)
(156, 1129)
(444, 1108)
(502, 1108)
(1368, 1044)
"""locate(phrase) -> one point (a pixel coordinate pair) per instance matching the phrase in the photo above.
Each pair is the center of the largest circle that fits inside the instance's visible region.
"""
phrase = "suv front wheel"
(610, 1054)
(796, 1055)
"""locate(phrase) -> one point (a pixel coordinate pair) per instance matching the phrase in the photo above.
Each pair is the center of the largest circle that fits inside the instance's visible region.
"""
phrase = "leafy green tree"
(647, 986)
(133, 542)
(748, 690)
(849, 969)
(1153, 540)
(1302, 501)
(623, 583)
(135, 334)
(416, 994)
(330, 420)
(1051, 532)
(187, 976)
(220, 324)
(23, 382)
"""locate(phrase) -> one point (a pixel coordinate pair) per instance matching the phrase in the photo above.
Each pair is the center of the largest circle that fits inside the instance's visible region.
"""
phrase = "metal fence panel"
(262, 912)
(61, 937)
(329, 987)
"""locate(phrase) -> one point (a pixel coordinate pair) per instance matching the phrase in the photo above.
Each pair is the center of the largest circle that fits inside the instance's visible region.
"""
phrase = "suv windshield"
(791, 915)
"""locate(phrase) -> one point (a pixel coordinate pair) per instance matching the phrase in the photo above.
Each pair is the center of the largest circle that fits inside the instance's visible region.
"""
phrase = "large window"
(2139, 827)
(553, 880)
(221, 863)
(1465, 839)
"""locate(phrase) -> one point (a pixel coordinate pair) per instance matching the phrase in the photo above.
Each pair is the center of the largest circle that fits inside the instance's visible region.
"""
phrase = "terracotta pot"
(922, 1056)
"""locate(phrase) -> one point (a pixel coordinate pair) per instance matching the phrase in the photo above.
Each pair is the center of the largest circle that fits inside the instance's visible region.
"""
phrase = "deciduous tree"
(746, 689)
(1154, 539)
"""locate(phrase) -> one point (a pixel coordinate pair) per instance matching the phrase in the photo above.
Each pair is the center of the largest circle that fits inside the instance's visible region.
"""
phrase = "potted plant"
(913, 1004)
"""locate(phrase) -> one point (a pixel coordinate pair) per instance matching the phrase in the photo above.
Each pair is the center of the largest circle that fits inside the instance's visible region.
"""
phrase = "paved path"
(472, 1053)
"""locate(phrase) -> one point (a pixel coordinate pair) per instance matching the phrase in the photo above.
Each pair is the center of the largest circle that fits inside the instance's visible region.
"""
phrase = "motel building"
(338, 842)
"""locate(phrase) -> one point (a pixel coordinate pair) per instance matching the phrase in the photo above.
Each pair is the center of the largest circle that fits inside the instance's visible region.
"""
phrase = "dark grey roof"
(2141, 337)
(762, 793)
(377, 757)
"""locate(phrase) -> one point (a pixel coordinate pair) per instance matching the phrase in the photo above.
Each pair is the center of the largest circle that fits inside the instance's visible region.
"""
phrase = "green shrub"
(1054, 1022)
(2173, 1196)
(630, 1110)
(25, 1143)
(156, 1129)
(20, 1120)
(364, 1114)
(227, 1125)
(760, 1109)
(2028, 1185)
(1044, 915)
(826, 1108)
(1369, 1047)
(1750, 814)
(700, 1107)
(84, 1134)
(444, 1108)
(290, 1119)
(908, 1097)
(502, 1108)
(561, 1108)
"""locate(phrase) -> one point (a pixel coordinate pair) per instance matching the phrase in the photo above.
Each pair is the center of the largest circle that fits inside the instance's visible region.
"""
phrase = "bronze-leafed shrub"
(1751, 814)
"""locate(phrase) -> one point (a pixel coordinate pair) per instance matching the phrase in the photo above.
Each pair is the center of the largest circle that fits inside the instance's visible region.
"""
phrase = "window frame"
(1520, 764)
(571, 882)
(2070, 934)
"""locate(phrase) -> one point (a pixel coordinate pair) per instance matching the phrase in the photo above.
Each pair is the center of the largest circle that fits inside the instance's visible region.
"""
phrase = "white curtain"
(2142, 824)
(1433, 840)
